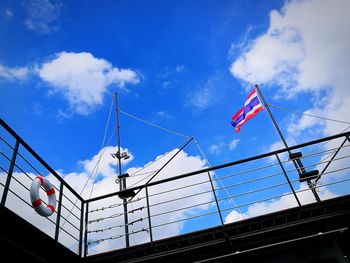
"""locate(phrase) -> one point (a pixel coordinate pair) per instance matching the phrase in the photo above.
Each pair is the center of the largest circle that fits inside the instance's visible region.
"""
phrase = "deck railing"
(214, 196)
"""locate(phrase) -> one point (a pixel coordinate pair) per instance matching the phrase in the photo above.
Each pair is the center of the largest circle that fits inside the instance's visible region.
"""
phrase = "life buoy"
(37, 204)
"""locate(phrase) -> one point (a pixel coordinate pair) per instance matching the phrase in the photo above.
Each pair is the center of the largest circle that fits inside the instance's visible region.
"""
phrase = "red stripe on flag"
(36, 203)
(237, 114)
(41, 180)
(50, 192)
(51, 208)
(248, 118)
(251, 94)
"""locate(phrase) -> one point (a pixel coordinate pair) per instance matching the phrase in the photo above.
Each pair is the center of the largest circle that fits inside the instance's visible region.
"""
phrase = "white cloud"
(83, 79)
(8, 14)
(180, 68)
(42, 15)
(169, 77)
(305, 49)
(207, 94)
(233, 144)
(220, 146)
(163, 114)
(107, 170)
(216, 148)
(181, 164)
(17, 73)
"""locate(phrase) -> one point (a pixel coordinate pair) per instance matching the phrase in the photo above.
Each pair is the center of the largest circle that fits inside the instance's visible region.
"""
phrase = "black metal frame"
(84, 207)
(63, 185)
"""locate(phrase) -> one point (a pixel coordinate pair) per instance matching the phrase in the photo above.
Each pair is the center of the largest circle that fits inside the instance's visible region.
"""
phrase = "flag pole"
(271, 116)
(284, 140)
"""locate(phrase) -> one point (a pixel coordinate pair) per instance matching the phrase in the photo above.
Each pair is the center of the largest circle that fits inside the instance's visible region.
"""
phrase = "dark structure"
(314, 232)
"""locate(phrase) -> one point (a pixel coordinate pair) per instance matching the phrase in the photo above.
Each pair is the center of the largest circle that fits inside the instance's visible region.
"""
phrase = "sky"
(187, 66)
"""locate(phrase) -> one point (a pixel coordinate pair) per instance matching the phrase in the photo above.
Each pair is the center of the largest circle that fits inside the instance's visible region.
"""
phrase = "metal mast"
(297, 163)
(122, 179)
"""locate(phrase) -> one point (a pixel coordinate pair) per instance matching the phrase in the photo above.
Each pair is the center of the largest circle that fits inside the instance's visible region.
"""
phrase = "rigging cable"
(176, 133)
(95, 169)
(154, 125)
(307, 114)
(149, 165)
(315, 116)
(222, 185)
(103, 141)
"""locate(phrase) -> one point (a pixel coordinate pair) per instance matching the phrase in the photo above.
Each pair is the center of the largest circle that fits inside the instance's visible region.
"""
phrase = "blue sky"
(184, 65)
(180, 51)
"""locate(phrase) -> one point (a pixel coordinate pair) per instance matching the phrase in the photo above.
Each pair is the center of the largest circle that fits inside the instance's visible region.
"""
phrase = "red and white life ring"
(37, 204)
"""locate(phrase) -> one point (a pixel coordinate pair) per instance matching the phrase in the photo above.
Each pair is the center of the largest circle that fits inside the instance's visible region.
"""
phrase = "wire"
(116, 237)
(150, 165)
(104, 138)
(315, 116)
(323, 144)
(307, 114)
(92, 172)
(218, 178)
(154, 125)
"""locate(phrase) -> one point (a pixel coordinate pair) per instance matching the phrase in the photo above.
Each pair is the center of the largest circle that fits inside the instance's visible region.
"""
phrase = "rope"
(307, 114)
(154, 125)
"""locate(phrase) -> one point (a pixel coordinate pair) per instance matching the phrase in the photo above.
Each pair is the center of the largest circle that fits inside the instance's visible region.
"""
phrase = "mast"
(122, 179)
(297, 163)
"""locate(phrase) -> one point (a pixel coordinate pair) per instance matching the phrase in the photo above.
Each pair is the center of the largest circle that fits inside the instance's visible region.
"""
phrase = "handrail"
(249, 159)
(31, 151)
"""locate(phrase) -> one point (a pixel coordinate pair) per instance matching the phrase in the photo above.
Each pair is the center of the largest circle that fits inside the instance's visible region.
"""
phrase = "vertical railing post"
(149, 217)
(287, 178)
(58, 219)
(86, 229)
(81, 229)
(9, 174)
(216, 199)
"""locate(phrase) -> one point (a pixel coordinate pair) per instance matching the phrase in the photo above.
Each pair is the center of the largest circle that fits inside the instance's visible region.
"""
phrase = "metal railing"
(19, 165)
(184, 203)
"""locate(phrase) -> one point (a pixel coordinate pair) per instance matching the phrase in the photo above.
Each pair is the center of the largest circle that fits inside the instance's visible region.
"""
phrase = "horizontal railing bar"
(74, 204)
(32, 179)
(274, 164)
(3, 170)
(179, 188)
(42, 201)
(30, 205)
(33, 169)
(277, 185)
(182, 197)
(19, 154)
(246, 193)
(31, 151)
(249, 159)
(283, 195)
(69, 234)
(185, 219)
(182, 208)
(69, 211)
(70, 224)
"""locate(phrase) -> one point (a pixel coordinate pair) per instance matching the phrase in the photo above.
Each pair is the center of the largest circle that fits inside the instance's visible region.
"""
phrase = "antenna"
(122, 177)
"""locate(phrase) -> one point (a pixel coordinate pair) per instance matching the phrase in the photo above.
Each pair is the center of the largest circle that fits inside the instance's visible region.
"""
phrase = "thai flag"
(251, 107)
